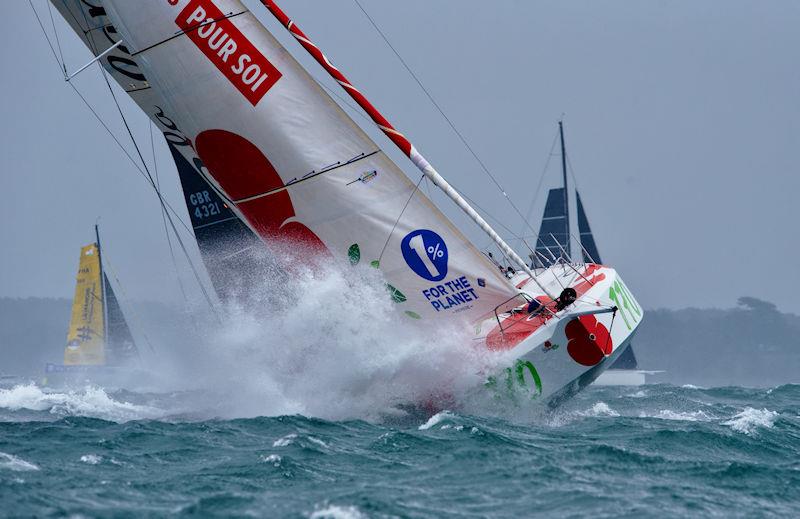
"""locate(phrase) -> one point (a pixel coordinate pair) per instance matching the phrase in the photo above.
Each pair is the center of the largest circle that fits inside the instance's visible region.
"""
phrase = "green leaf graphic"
(354, 253)
(397, 296)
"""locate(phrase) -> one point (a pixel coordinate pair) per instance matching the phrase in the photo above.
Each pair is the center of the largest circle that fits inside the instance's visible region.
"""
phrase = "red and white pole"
(398, 138)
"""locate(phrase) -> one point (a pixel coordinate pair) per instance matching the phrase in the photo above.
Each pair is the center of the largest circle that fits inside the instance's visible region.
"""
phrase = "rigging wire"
(446, 118)
(388, 238)
(146, 173)
(160, 197)
(46, 37)
(124, 150)
(541, 178)
(164, 219)
(55, 33)
(131, 311)
(97, 116)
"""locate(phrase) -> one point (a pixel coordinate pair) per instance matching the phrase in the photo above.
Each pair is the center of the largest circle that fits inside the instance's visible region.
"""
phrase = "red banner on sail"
(230, 51)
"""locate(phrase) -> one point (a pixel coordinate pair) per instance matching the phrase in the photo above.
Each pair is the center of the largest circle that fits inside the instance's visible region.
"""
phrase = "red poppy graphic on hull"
(589, 340)
(245, 174)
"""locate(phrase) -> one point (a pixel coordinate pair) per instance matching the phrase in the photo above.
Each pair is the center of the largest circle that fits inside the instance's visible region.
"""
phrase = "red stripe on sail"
(398, 138)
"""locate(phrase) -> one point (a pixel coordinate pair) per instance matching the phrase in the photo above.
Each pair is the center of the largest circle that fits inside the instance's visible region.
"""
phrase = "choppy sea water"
(611, 451)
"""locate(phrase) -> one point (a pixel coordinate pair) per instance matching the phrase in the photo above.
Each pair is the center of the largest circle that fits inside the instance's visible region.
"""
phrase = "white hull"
(557, 358)
(621, 377)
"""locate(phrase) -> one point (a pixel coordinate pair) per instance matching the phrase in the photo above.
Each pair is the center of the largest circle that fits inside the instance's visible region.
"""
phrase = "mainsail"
(98, 334)
(226, 244)
(554, 230)
(86, 333)
(287, 159)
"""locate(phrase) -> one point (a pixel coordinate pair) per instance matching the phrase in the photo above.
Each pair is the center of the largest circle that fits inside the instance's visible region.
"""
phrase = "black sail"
(590, 252)
(120, 346)
(554, 231)
(230, 250)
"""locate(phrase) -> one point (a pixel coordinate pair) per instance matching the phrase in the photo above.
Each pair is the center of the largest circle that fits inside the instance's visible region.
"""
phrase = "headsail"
(119, 346)
(290, 161)
(87, 330)
(590, 252)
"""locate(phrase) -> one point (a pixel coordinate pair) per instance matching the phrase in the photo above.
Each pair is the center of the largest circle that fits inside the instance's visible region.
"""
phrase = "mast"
(399, 139)
(566, 191)
(102, 283)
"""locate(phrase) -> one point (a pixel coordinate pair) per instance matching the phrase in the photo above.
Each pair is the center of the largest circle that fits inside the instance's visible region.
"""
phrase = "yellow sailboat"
(98, 334)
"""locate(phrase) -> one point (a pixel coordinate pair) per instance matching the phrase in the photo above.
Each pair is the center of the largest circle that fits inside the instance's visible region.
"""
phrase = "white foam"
(638, 394)
(89, 402)
(11, 462)
(750, 419)
(285, 441)
(91, 459)
(332, 345)
(337, 512)
(599, 409)
(436, 419)
(318, 442)
(274, 459)
(686, 416)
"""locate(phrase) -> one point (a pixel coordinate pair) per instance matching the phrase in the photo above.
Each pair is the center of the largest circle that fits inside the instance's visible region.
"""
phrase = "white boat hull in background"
(621, 377)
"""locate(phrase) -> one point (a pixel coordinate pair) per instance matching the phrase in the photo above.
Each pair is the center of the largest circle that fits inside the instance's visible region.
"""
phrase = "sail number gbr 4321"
(204, 207)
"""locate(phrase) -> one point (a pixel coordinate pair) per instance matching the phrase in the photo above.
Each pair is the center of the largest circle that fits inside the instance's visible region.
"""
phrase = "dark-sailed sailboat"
(554, 242)
(98, 335)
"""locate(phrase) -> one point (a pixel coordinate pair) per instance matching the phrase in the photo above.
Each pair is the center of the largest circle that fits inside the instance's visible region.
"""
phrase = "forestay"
(291, 162)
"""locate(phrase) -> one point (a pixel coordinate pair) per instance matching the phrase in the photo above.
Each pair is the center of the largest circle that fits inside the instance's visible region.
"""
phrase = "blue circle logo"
(426, 254)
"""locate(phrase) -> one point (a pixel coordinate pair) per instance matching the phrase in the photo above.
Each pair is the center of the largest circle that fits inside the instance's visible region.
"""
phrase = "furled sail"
(288, 160)
(225, 242)
(86, 334)
(553, 233)
(590, 252)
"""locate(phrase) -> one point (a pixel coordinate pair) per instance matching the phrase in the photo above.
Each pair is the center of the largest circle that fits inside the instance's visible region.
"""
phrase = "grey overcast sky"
(681, 119)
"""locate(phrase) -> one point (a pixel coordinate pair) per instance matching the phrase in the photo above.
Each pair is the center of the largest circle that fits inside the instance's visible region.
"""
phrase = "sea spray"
(328, 342)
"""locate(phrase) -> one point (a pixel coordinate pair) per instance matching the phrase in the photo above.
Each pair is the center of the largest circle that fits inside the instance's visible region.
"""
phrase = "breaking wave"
(11, 462)
(90, 401)
(750, 420)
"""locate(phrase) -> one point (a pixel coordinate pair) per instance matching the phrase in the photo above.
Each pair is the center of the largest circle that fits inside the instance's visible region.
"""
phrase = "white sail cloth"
(291, 162)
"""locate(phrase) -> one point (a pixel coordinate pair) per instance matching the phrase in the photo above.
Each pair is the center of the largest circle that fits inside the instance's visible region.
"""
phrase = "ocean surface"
(611, 451)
